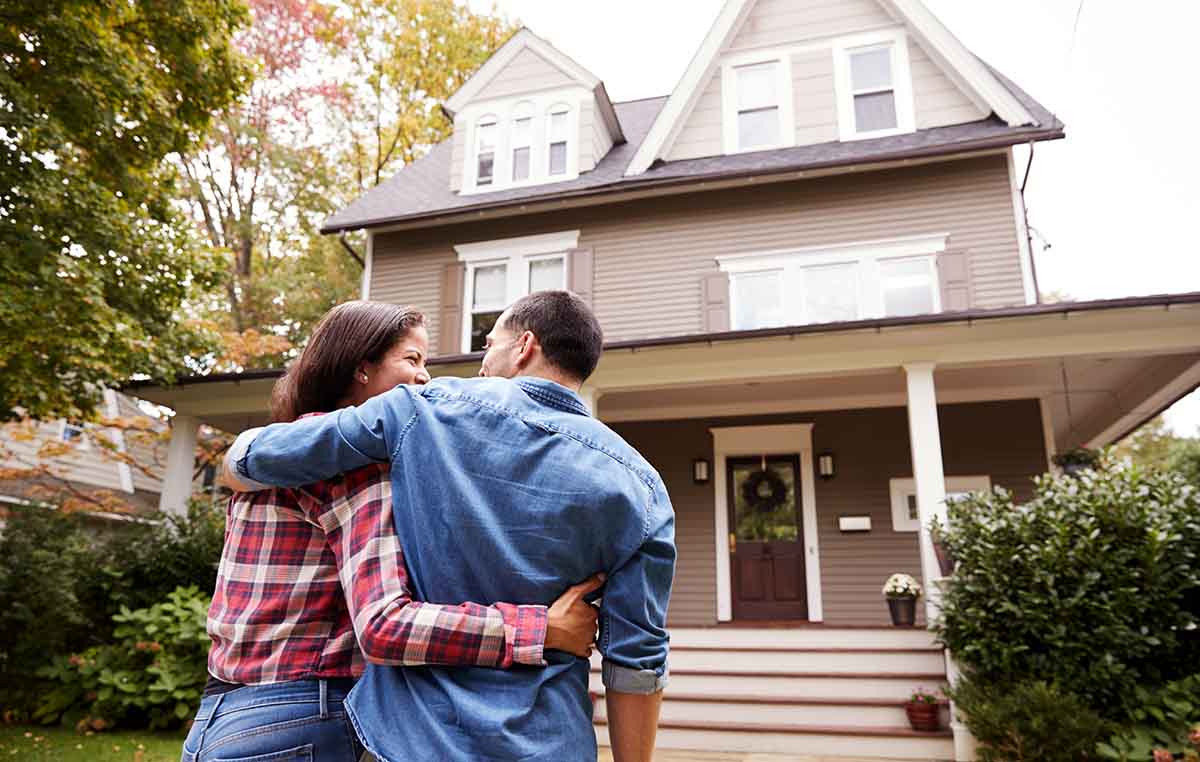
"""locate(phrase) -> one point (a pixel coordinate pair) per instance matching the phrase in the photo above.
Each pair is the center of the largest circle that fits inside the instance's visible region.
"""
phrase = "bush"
(1028, 722)
(1093, 586)
(1165, 718)
(153, 674)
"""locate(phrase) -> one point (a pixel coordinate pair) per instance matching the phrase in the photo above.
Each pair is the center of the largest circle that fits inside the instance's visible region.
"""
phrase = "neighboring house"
(812, 266)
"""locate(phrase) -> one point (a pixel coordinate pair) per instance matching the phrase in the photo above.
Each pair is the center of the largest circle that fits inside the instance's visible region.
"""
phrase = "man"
(505, 488)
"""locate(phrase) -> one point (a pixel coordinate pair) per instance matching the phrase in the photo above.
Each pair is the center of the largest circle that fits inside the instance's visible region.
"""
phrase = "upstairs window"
(874, 85)
(758, 105)
(522, 144)
(557, 140)
(485, 151)
(73, 434)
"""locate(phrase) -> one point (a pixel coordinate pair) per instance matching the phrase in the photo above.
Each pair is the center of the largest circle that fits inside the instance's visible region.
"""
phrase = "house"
(813, 268)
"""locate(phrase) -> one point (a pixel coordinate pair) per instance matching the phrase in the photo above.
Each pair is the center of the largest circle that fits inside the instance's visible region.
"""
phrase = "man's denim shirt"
(503, 491)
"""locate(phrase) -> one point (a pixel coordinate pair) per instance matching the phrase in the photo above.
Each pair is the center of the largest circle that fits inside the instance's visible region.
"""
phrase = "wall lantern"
(700, 469)
(825, 465)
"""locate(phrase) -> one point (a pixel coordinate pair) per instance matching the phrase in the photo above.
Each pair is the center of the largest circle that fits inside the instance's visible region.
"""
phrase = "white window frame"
(487, 120)
(554, 110)
(523, 110)
(517, 254)
(902, 489)
(866, 255)
(729, 98)
(81, 441)
(901, 82)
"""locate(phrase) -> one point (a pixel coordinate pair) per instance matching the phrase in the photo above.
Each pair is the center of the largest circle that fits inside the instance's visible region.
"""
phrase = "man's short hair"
(566, 328)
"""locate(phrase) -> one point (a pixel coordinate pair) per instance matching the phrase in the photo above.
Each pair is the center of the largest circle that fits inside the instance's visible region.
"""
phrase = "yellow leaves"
(52, 449)
(243, 349)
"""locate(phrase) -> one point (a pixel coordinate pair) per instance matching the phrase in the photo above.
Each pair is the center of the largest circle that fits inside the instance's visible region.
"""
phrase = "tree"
(1155, 446)
(96, 263)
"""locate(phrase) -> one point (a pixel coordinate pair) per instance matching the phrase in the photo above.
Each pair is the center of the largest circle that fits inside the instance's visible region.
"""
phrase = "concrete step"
(892, 687)
(826, 660)
(803, 637)
(791, 711)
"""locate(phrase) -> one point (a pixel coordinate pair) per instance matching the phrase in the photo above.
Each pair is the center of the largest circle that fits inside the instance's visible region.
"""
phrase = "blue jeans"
(301, 720)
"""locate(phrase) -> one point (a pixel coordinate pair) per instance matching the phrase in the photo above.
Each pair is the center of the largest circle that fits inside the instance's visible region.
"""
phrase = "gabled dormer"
(529, 116)
(776, 74)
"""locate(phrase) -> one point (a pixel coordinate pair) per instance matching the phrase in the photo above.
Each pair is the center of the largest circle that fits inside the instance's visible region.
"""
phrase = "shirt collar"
(555, 395)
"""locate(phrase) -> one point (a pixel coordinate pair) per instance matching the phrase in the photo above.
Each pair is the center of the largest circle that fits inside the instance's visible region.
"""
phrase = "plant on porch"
(902, 591)
(922, 710)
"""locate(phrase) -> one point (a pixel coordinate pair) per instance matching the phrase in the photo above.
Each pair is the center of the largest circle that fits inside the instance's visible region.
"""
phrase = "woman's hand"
(571, 621)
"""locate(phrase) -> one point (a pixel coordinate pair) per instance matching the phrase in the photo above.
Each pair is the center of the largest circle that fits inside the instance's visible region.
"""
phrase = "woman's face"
(404, 363)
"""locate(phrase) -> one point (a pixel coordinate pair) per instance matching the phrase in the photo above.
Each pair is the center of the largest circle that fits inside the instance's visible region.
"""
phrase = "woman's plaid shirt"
(312, 579)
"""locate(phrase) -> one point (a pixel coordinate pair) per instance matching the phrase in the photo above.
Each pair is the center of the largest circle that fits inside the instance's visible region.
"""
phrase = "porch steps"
(812, 691)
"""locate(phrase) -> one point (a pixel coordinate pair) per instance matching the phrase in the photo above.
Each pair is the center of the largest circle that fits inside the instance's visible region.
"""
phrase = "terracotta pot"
(945, 561)
(922, 716)
(903, 611)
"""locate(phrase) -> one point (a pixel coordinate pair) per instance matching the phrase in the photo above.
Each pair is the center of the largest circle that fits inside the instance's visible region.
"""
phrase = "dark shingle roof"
(422, 189)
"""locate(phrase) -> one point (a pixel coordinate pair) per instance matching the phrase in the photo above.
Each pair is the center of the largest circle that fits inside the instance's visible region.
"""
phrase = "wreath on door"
(764, 491)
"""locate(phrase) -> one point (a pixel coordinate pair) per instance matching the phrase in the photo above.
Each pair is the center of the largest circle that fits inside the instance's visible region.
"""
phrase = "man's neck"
(547, 374)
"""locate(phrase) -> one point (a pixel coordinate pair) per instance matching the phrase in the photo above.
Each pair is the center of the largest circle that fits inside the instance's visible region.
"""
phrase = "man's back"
(510, 490)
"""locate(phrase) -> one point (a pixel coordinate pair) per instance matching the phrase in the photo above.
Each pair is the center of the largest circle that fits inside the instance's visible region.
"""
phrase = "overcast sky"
(1118, 200)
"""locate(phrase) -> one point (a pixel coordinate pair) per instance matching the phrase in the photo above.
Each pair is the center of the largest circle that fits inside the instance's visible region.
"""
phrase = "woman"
(313, 579)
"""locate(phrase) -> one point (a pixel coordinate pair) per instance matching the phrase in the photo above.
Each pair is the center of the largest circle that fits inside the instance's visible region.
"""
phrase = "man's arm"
(634, 639)
(320, 447)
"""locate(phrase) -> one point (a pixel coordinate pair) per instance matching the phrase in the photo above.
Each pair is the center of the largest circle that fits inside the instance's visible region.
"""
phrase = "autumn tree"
(94, 261)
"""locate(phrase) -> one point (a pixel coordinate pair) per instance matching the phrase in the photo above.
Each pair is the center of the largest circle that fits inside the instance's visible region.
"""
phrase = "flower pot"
(944, 559)
(903, 611)
(922, 716)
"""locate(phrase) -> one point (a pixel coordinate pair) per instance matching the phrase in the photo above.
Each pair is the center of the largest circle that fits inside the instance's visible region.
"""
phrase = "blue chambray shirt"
(503, 490)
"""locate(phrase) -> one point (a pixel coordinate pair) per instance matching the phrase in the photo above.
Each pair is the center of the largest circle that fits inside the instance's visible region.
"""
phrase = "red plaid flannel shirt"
(310, 576)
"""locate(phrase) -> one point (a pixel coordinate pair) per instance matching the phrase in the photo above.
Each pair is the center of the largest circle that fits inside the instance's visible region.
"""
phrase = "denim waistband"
(290, 692)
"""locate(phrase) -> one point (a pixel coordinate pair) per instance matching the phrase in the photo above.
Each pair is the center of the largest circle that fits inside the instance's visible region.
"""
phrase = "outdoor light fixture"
(825, 465)
(700, 469)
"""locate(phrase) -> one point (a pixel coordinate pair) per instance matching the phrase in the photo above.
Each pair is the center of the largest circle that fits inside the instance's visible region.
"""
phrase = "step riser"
(866, 662)
(924, 749)
(801, 638)
(798, 715)
(895, 689)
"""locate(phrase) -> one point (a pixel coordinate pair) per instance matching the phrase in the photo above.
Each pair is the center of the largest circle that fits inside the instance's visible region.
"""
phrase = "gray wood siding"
(587, 147)
(700, 134)
(91, 466)
(781, 22)
(937, 101)
(652, 256)
(600, 138)
(527, 73)
(1000, 439)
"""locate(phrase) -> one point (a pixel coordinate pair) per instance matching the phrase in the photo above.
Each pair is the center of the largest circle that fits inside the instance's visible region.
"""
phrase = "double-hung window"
(557, 126)
(522, 144)
(874, 85)
(757, 101)
(500, 272)
(836, 284)
(74, 434)
(485, 151)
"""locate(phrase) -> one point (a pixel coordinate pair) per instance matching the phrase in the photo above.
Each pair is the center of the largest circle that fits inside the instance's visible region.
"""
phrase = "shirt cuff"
(525, 634)
(626, 680)
(235, 460)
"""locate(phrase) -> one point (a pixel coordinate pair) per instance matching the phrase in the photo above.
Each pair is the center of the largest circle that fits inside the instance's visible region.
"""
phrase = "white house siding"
(773, 23)
(587, 148)
(458, 148)
(527, 73)
(92, 466)
(937, 101)
(601, 140)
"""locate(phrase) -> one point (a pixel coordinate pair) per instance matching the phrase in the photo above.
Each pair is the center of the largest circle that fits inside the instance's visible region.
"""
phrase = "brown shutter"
(716, 302)
(953, 275)
(450, 326)
(580, 269)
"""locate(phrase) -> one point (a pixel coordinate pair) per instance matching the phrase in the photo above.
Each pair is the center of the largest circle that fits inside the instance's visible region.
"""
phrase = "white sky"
(1118, 200)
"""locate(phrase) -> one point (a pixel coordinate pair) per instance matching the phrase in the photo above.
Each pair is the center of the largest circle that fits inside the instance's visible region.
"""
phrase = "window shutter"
(580, 269)
(716, 302)
(954, 281)
(450, 326)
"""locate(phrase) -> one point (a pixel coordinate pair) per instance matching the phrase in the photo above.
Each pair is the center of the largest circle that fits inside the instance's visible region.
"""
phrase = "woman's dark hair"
(347, 336)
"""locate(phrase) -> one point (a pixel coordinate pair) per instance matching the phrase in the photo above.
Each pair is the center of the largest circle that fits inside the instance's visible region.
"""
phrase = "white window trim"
(902, 489)
(523, 110)
(786, 439)
(80, 443)
(729, 99)
(867, 255)
(487, 120)
(517, 254)
(901, 83)
(118, 437)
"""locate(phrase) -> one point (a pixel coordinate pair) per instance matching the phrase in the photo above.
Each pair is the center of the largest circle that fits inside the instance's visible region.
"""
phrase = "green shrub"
(1164, 718)
(1028, 722)
(1093, 586)
(153, 673)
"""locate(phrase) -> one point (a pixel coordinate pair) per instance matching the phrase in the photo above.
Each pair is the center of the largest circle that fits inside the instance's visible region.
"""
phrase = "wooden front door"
(766, 541)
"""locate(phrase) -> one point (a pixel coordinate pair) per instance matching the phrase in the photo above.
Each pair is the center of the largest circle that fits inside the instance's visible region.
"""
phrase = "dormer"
(529, 116)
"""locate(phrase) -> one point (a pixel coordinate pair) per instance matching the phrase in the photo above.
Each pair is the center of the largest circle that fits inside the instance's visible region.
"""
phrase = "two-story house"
(813, 269)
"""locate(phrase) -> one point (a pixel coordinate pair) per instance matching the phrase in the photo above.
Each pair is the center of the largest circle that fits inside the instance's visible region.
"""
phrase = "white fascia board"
(960, 64)
(683, 97)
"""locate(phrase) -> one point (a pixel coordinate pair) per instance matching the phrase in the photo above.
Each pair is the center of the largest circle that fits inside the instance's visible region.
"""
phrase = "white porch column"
(181, 464)
(928, 473)
(591, 397)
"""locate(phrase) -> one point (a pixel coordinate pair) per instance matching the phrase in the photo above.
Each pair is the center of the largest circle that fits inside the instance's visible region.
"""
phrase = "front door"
(766, 542)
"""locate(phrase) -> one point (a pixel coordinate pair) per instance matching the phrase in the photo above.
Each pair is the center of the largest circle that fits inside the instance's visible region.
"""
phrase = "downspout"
(1037, 290)
(350, 249)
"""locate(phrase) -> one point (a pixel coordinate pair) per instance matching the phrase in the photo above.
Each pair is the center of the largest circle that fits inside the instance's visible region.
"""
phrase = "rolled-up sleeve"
(311, 449)
(634, 640)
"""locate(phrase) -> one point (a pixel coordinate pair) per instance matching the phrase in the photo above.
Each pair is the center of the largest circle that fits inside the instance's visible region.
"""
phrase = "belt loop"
(212, 716)
(324, 699)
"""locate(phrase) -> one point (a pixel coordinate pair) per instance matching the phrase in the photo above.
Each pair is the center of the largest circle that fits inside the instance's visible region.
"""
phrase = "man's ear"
(528, 348)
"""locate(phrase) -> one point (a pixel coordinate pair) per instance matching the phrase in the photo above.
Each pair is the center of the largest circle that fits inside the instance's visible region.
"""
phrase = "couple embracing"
(439, 531)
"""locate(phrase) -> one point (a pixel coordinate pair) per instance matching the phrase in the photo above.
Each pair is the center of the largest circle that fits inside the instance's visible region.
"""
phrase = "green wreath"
(764, 491)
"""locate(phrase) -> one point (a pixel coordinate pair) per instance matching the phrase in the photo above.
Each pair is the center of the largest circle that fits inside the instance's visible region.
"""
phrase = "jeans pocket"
(298, 754)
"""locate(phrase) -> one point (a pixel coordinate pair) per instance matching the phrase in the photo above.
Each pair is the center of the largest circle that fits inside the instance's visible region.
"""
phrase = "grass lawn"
(54, 744)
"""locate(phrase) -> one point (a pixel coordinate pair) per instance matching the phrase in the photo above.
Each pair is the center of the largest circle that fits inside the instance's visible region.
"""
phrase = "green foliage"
(1163, 718)
(153, 673)
(1031, 721)
(1156, 446)
(96, 262)
(1093, 586)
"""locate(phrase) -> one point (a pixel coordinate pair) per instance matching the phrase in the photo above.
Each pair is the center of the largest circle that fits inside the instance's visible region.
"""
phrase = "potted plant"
(1077, 460)
(941, 549)
(922, 710)
(902, 592)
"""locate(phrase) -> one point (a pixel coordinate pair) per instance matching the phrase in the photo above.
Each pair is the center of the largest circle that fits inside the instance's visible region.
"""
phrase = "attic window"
(758, 105)
(522, 143)
(485, 151)
(874, 85)
(872, 88)
(556, 136)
